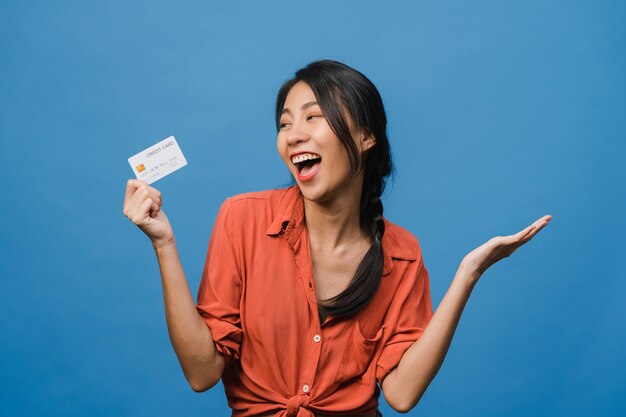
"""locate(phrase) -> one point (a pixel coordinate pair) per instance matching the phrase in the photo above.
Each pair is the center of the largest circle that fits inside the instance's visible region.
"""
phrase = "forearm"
(189, 335)
(405, 385)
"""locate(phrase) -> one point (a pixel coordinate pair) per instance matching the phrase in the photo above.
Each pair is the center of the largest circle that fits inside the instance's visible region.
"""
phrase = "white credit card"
(158, 160)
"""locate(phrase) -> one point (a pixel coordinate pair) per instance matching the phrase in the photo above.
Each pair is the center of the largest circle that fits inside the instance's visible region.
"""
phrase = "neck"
(335, 223)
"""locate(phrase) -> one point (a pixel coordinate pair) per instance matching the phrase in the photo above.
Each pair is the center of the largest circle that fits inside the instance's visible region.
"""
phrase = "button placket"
(302, 253)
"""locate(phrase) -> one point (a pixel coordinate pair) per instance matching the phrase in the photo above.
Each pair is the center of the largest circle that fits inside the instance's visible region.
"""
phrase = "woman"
(310, 300)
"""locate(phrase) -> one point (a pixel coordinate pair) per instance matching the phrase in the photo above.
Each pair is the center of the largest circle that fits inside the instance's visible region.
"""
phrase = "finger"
(140, 214)
(538, 225)
(541, 223)
(150, 210)
(128, 198)
(156, 195)
(154, 209)
(139, 197)
(131, 187)
(144, 191)
(522, 234)
(130, 190)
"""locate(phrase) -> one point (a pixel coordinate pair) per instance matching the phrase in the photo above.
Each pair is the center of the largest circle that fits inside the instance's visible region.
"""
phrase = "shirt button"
(317, 338)
(305, 388)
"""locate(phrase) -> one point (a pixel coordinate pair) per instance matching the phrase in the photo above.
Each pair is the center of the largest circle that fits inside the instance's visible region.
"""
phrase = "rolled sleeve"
(220, 288)
(414, 310)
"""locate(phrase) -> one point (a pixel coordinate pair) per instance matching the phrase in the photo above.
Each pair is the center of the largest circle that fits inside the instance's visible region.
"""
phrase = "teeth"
(304, 157)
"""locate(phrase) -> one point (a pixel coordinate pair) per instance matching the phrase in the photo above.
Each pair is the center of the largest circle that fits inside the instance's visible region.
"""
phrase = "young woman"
(311, 301)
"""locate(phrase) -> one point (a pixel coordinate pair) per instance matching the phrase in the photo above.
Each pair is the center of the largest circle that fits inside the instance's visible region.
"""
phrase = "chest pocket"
(357, 356)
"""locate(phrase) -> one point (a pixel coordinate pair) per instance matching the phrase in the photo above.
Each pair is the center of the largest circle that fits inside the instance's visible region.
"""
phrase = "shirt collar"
(289, 218)
(289, 221)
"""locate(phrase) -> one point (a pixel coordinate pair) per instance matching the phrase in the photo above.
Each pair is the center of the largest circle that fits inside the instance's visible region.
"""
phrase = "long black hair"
(338, 88)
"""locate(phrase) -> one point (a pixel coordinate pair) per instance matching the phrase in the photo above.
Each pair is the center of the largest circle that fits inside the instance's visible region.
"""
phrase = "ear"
(367, 141)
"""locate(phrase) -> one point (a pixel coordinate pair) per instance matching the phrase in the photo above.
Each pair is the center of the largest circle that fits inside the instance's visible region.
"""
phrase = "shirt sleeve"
(220, 288)
(413, 307)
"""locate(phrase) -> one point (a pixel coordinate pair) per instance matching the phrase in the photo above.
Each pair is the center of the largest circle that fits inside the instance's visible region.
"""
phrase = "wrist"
(164, 243)
(467, 276)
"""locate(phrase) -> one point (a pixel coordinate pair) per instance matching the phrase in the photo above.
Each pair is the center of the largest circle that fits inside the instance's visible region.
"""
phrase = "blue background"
(499, 113)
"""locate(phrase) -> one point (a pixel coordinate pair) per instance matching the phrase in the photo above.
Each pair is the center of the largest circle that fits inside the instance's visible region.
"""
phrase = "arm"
(191, 339)
(404, 385)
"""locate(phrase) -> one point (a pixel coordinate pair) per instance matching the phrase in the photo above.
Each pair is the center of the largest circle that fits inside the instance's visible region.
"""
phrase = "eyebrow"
(304, 107)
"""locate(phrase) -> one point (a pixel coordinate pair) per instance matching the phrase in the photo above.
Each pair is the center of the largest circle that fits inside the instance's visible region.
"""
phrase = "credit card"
(158, 160)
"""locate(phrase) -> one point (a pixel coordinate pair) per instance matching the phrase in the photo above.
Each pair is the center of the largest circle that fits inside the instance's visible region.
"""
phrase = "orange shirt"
(257, 296)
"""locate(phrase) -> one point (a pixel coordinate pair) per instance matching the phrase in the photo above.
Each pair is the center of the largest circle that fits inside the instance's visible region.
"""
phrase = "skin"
(331, 198)
(331, 201)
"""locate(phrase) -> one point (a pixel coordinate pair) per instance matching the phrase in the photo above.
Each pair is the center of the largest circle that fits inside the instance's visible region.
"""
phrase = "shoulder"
(263, 195)
(254, 213)
(254, 200)
(400, 242)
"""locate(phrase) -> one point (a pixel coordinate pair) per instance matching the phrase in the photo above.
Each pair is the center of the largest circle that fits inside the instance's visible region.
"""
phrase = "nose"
(297, 135)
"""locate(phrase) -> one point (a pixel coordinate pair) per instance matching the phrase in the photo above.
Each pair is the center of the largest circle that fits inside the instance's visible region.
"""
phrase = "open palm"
(500, 247)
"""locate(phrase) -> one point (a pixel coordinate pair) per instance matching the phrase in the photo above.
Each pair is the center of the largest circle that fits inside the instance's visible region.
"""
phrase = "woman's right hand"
(142, 205)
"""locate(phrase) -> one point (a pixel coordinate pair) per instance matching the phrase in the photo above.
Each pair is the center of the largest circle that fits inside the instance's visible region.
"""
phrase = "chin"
(323, 192)
(319, 194)
(313, 192)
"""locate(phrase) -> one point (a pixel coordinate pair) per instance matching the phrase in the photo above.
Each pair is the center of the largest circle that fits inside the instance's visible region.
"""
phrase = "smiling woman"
(311, 300)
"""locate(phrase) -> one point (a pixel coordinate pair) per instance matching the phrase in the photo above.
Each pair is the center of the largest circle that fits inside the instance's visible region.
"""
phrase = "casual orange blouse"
(257, 296)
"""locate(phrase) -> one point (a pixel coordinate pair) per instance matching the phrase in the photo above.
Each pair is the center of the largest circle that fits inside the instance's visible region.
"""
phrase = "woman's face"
(311, 150)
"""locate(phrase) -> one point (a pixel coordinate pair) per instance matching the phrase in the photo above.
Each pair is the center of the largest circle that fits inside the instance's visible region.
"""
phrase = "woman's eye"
(309, 117)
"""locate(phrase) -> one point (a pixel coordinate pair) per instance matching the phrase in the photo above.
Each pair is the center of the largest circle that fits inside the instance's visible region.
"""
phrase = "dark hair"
(338, 88)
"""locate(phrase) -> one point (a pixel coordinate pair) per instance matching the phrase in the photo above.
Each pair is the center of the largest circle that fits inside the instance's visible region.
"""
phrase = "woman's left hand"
(480, 259)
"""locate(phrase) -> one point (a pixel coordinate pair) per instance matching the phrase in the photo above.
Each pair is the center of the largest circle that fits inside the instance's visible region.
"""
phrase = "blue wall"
(499, 112)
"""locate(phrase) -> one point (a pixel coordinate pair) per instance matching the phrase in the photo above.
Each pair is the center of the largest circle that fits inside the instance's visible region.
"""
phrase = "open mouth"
(307, 163)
